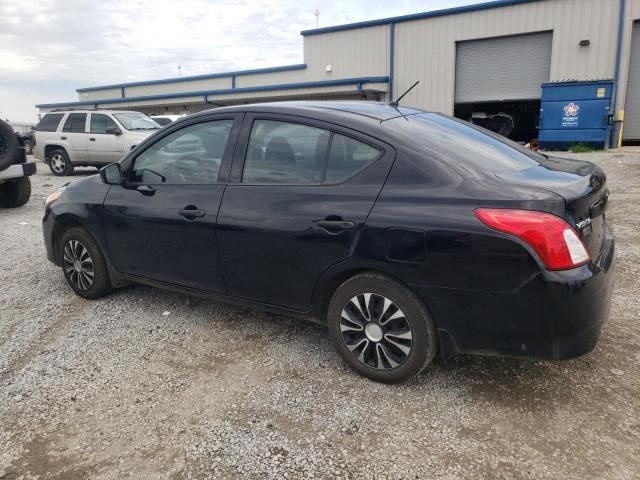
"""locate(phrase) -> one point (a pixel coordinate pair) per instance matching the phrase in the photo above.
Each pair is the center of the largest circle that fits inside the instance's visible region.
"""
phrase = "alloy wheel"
(58, 163)
(376, 331)
(78, 265)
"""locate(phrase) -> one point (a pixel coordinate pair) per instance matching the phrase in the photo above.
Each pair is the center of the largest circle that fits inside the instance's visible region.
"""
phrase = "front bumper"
(556, 315)
(48, 225)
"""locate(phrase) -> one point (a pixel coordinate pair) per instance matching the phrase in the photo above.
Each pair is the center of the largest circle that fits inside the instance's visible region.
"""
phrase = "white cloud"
(48, 48)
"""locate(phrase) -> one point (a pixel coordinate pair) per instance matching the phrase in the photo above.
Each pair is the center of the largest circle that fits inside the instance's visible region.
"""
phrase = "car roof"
(87, 110)
(341, 109)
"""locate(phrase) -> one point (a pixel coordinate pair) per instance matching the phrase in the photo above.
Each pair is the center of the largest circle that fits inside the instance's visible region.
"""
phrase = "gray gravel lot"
(151, 384)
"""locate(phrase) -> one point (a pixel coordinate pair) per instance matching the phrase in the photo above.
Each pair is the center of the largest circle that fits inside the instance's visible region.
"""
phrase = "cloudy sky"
(48, 48)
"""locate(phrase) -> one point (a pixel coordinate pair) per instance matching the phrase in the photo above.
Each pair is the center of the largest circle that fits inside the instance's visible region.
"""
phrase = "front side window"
(283, 152)
(75, 123)
(49, 122)
(191, 155)
(136, 121)
(100, 123)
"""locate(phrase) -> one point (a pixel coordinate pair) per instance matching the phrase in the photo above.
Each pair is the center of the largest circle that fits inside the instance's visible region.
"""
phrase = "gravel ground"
(151, 384)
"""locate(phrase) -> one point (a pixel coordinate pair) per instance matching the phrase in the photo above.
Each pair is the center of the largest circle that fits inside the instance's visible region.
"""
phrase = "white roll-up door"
(503, 68)
(631, 129)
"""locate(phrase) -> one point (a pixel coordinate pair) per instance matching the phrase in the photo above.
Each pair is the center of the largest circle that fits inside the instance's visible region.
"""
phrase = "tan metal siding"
(632, 106)
(100, 94)
(178, 87)
(425, 49)
(275, 78)
(632, 14)
(351, 53)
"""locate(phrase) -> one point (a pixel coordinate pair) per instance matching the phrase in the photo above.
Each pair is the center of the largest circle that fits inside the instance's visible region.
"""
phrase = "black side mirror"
(113, 131)
(111, 174)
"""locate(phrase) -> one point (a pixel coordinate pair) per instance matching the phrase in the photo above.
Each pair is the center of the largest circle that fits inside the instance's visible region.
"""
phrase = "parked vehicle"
(408, 233)
(15, 185)
(25, 131)
(164, 120)
(65, 139)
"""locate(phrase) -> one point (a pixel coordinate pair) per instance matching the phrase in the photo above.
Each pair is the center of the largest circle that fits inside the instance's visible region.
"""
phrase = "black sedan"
(408, 233)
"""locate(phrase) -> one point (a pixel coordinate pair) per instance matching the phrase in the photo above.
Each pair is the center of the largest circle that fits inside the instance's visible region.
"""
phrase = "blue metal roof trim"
(300, 66)
(263, 88)
(416, 16)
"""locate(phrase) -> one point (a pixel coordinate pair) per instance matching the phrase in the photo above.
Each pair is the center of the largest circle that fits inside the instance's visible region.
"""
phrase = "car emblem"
(583, 223)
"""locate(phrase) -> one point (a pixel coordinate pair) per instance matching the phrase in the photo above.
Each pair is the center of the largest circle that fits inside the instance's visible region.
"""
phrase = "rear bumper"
(555, 315)
(18, 171)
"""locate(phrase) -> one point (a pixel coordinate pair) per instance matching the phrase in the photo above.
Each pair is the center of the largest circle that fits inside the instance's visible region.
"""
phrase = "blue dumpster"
(575, 112)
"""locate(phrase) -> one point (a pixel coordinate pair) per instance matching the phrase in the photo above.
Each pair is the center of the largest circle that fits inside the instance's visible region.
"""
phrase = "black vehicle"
(15, 185)
(408, 233)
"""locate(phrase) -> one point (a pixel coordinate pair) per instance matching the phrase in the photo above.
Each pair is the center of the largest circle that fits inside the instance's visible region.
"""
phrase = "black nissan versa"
(409, 233)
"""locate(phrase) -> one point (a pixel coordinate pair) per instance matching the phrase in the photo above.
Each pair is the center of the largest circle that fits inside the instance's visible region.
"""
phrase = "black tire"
(15, 194)
(73, 245)
(8, 146)
(59, 163)
(28, 148)
(384, 357)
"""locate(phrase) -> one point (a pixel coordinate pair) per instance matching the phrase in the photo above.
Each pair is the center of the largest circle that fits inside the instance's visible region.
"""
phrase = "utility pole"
(317, 14)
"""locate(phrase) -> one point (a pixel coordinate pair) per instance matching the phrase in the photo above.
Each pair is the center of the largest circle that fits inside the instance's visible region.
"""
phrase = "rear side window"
(75, 123)
(283, 152)
(100, 123)
(49, 122)
(347, 156)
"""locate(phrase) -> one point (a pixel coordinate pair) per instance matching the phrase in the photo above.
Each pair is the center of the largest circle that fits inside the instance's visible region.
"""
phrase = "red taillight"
(553, 239)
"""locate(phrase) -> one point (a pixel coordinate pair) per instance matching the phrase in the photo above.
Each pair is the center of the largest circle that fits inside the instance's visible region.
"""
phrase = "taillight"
(552, 238)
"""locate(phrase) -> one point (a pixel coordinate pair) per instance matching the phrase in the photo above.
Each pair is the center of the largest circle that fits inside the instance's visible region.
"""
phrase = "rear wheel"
(381, 329)
(83, 264)
(28, 148)
(59, 163)
(15, 194)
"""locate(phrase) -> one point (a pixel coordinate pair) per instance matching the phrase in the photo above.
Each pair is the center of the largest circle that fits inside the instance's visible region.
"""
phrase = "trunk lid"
(583, 185)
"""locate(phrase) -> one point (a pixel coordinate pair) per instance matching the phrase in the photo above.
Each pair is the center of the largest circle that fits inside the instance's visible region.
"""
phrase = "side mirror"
(111, 174)
(113, 131)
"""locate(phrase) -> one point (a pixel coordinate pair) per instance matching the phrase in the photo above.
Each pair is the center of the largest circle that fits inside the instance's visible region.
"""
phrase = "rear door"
(104, 146)
(298, 198)
(74, 133)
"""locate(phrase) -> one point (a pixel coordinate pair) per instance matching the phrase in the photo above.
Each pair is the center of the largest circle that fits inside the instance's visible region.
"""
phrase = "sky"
(48, 48)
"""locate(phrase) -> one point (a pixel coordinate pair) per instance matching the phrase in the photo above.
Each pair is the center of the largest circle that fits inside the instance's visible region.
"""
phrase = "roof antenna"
(394, 103)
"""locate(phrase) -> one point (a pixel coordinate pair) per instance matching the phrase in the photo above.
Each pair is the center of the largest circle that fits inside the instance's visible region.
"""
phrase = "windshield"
(136, 121)
(457, 141)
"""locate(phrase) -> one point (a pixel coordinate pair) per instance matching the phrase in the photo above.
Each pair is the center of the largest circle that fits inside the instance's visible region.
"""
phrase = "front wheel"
(83, 264)
(381, 329)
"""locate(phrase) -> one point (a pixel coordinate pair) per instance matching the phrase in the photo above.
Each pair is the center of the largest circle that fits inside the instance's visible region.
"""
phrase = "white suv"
(67, 138)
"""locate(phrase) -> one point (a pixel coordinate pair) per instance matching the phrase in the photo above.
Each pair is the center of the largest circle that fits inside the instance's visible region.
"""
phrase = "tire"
(8, 146)
(366, 343)
(59, 163)
(15, 194)
(28, 148)
(81, 257)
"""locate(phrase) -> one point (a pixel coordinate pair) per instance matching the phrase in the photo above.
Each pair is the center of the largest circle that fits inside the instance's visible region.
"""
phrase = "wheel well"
(62, 226)
(49, 148)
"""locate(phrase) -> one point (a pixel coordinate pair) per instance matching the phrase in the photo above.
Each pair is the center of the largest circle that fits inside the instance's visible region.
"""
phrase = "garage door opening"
(517, 120)
(499, 82)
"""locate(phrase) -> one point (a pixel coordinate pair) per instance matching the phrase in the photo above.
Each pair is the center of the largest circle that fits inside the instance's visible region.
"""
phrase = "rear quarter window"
(49, 122)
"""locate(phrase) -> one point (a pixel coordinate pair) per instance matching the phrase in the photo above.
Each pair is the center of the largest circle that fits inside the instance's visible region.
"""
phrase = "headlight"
(52, 197)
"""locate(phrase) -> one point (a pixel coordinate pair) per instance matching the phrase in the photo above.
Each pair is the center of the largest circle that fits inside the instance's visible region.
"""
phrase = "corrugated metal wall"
(108, 93)
(632, 107)
(425, 49)
(351, 53)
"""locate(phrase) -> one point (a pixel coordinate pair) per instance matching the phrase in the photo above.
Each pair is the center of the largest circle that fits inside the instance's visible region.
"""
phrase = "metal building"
(490, 57)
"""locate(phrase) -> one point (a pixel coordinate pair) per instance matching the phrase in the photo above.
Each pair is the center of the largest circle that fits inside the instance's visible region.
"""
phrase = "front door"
(160, 224)
(104, 145)
(299, 196)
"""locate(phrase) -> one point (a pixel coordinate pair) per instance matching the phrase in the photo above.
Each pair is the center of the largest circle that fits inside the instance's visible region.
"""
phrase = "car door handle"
(335, 225)
(146, 190)
(92, 139)
(63, 138)
(192, 213)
